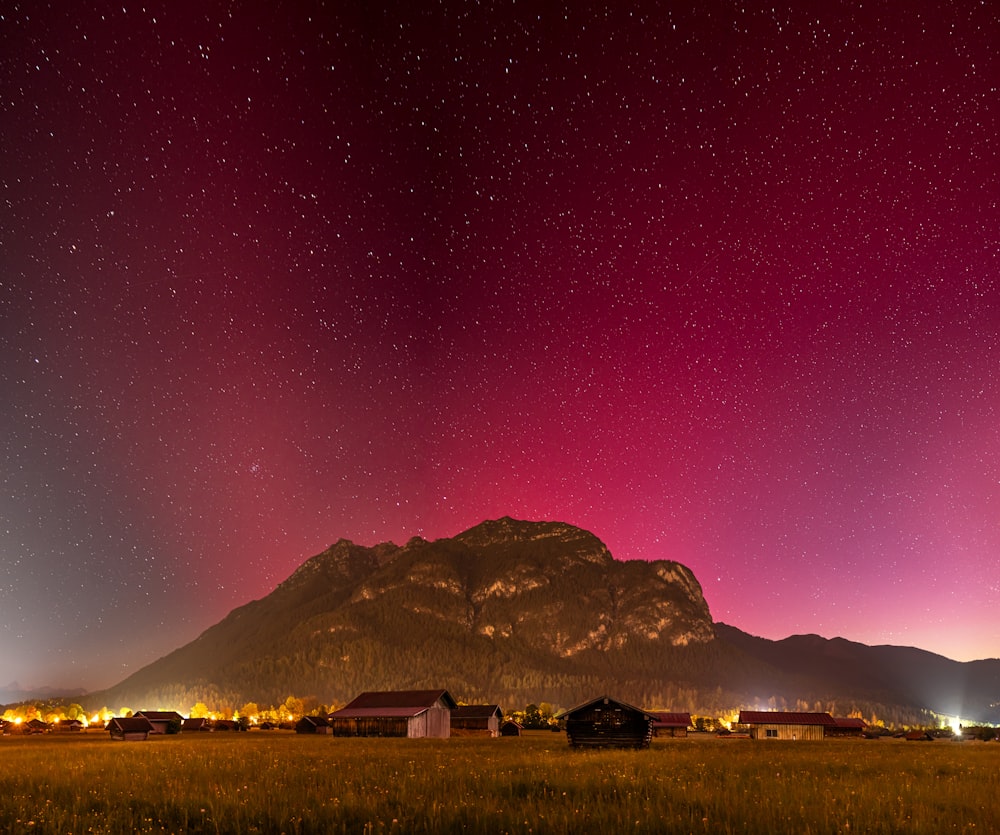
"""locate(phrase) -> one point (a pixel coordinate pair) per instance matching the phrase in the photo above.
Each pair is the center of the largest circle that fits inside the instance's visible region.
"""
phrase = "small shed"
(671, 724)
(510, 728)
(607, 722)
(161, 720)
(782, 724)
(407, 713)
(68, 726)
(313, 725)
(845, 726)
(195, 723)
(130, 728)
(36, 726)
(476, 720)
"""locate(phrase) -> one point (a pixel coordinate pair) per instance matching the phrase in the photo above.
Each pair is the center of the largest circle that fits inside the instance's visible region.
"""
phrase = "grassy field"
(280, 782)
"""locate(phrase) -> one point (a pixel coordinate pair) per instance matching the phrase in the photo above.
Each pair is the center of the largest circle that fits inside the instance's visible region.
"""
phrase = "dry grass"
(280, 782)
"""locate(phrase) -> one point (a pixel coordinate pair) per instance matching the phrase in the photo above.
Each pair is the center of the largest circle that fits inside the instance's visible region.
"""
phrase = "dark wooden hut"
(162, 720)
(129, 728)
(510, 728)
(409, 713)
(606, 722)
(36, 726)
(476, 720)
(848, 726)
(313, 725)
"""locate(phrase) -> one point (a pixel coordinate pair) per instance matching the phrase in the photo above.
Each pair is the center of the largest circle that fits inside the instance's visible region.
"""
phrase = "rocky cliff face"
(502, 601)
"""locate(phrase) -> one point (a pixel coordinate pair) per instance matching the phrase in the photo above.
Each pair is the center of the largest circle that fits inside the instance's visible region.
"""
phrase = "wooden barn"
(36, 726)
(671, 724)
(606, 722)
(408, 713)
(782, 724)
(476, 720)
(845, 726)
(510, 728)
(195, 723)
(161, 719)
(313, 725)
(68, 726)
(127, 729)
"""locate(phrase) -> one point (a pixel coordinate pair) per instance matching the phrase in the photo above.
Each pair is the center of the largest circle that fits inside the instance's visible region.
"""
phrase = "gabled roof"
(671, 720)
(393, 704)
(476, 712)
(316, 721)
(783, 717)
(159, 715)
(401, 698)
(605, 701)
(849, 722)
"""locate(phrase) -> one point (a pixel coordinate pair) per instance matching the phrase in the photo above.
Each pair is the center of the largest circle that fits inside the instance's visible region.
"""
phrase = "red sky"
(716, 283)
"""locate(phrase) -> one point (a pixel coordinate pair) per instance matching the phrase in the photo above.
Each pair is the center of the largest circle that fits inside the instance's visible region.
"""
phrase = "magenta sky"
(718, 284)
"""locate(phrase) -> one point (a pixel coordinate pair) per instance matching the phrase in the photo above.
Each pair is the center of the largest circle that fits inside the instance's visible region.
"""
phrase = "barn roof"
(159, 715)
(784, 717)
(671, 720)
(849, 722)
(393, 704)
(315, 721)
(605, 700)
(476, 711)
(401, 698)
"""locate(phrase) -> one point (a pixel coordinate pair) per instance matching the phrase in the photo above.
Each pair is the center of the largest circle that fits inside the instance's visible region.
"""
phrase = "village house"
(408, 713)
(782, 724)
(671, 724)
(510, 728)
(845, 726)
(478, 720)
(606, 722)
(129, 728)
(160, 720)
(313, 725)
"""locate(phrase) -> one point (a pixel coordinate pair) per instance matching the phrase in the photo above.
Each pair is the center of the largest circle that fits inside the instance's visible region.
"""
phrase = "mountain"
(14, 693)
(884, 674)
(518, 612)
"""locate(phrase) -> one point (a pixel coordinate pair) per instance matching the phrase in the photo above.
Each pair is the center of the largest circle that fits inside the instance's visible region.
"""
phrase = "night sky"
(714, 281)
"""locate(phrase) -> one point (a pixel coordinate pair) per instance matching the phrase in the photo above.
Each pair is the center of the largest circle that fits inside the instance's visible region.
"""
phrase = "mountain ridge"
(512, 611)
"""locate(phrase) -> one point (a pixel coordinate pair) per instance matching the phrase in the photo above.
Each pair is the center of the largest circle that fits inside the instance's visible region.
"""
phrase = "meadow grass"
(279, 782)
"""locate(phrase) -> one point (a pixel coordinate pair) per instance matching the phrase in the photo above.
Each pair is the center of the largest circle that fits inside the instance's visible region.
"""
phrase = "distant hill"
(14, 693)
(518, 612)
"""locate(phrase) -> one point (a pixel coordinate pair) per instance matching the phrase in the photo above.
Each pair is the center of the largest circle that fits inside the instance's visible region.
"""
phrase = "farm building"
(36, 726)
(781, 724)
(477, 720)
(671, 724)
(409, 713)
(510, 728)
(129, 728)
(195, 723)
(161, 719)
(313, 725)
(606, 722)
(68, 726)
(845, 726)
